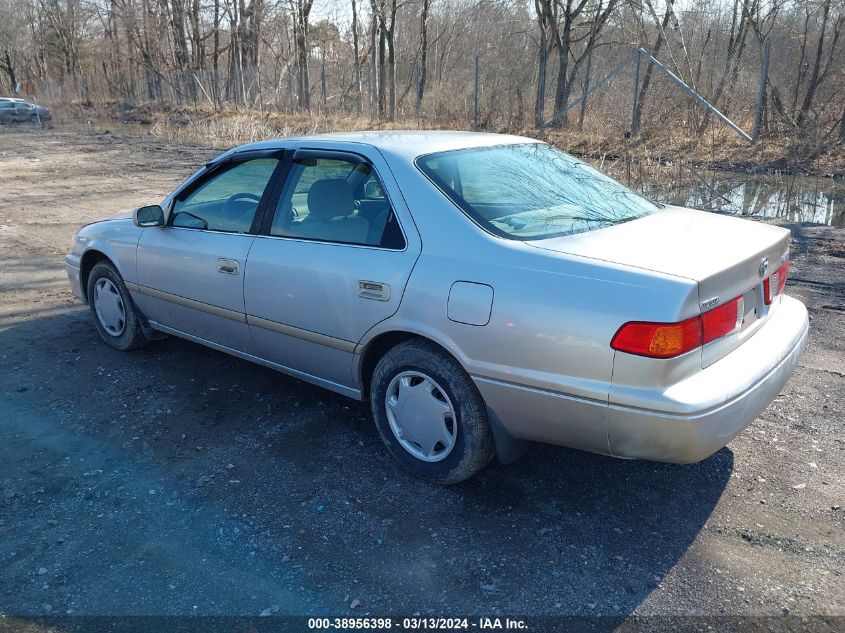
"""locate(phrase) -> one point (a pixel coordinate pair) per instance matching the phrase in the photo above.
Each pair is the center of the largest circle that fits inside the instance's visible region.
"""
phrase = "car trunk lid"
(728, 257)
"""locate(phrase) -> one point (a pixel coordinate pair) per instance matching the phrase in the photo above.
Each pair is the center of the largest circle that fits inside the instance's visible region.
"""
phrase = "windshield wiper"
(605, 220)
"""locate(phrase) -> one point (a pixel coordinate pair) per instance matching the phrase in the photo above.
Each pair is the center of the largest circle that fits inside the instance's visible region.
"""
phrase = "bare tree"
(655, 51)
(545, 16)
(736, 46)
(356, 55)
(261, 53)
(300, 11)
(820, 69)
(561, 21)
(423, 63)
(8, 67)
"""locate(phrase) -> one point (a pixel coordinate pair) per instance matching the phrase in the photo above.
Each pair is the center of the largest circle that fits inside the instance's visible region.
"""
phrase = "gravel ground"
(178, 480)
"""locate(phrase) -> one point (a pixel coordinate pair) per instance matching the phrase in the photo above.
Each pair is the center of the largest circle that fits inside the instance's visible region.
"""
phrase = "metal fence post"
(679, 82)
(635, 124)
(475, 99)
(761, 92)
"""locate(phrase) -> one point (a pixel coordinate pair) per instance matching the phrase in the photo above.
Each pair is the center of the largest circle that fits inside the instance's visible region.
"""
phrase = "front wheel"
(115, 315)
(429, 413)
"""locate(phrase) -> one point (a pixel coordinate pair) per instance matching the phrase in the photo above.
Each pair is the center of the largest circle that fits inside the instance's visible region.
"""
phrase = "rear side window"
(228, 200)
(336, 200)
(531, 191)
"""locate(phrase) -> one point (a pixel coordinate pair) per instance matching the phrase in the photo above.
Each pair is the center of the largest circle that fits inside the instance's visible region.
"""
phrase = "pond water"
(782, 196)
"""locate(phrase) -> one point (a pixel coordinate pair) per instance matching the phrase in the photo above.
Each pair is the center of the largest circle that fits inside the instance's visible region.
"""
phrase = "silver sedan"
(481, 291)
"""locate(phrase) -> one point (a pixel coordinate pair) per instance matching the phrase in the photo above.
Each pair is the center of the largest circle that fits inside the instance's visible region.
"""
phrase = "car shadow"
(278, 490)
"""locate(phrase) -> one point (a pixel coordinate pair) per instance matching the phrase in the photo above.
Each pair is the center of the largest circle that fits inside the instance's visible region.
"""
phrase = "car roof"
(407, 144)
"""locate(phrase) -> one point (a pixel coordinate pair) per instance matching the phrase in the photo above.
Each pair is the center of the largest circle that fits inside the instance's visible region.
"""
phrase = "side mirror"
(152, 215)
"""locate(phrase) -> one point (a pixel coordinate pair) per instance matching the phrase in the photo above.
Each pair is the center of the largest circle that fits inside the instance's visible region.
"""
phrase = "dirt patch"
(178, 480)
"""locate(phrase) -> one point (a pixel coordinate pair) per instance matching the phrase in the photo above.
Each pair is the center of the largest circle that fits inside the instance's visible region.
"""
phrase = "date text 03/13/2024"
(419, 623)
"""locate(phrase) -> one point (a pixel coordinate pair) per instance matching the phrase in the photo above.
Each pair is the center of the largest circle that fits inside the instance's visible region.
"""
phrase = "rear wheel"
(115, 315)
(429, 413)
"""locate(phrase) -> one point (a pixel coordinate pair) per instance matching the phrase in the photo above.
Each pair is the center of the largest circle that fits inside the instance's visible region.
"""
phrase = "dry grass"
(233, 127)
(216, 132)
(603, 141)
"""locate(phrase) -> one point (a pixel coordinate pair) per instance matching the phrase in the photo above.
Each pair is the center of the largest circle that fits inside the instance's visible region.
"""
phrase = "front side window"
(336, 200)
(531, 191)
(228, 200)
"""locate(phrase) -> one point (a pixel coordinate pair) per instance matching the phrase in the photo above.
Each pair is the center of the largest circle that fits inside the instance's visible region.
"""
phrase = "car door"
(190, 272)
(23, 112)
(331, 260)
(7, 112)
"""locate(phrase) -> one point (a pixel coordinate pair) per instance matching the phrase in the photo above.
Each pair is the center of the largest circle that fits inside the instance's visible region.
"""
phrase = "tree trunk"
(231, 78)
(323, 87)
(215, 56)
(9, 69)
(382, 72)
(197, 40)
(655, 49)
(391, 76)
(359, 104)
(813, 83)
(562, 86)
(304, 81)
(180, 48)
(587, 77)
(423, 50)
(374, 65)
(801, 57)
(736, 47)
(302, 11)
(542, 63)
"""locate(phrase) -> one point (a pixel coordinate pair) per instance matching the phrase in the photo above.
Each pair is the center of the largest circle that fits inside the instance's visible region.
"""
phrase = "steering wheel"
(228, 206)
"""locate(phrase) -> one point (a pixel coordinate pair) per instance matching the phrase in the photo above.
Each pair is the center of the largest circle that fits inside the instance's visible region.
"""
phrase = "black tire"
(132, 335)
(473, 448)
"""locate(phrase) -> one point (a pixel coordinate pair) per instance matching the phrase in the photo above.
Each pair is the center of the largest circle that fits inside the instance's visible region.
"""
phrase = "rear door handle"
(373, 290)
(228, 266)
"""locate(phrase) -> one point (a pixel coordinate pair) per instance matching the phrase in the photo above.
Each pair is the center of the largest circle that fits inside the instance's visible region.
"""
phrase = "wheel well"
(89, 259)
(377, 348)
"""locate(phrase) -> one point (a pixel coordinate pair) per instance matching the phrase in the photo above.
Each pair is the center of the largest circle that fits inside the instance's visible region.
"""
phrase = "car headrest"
(329, 198)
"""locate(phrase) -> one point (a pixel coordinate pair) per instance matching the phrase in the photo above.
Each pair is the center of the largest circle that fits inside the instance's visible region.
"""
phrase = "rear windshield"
(531, 191)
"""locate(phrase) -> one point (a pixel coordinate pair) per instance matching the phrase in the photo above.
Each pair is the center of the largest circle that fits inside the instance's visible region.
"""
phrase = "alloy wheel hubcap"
(109, 307)
(421, 416)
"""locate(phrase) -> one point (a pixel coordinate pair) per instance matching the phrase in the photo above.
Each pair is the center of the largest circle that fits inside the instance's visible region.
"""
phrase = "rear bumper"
(683, 423)
(72, 266)
(686, 427)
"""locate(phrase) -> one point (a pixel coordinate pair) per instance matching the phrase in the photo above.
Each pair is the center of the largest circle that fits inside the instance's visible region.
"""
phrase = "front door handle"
(228, 266)
(373, 290)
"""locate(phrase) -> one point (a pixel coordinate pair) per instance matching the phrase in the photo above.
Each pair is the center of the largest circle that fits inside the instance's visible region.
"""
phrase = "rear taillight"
(667, 340)
(658, 340)
(773, 285)
(723, 320)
